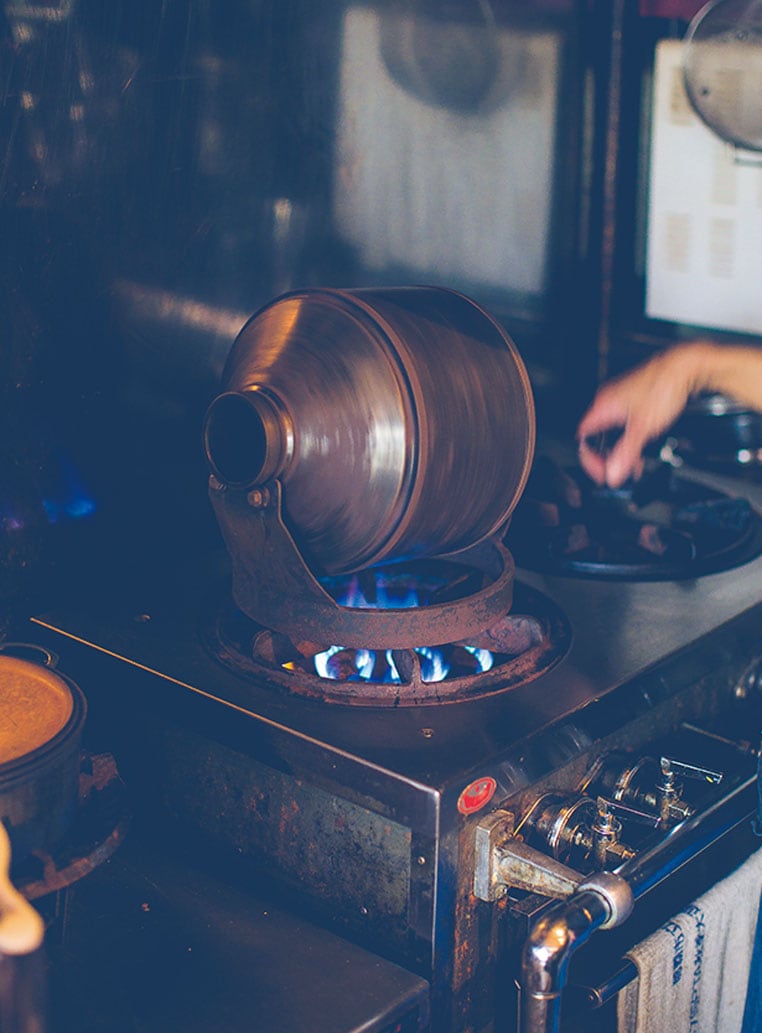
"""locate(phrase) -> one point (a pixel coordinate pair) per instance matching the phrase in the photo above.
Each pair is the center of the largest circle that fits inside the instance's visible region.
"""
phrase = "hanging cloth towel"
(693, 971)
(752, 1016)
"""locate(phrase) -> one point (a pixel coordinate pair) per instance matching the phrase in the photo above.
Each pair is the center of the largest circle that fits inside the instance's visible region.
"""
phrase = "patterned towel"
(694, 970)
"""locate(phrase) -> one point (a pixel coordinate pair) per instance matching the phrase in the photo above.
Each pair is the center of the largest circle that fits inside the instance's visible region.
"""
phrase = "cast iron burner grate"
(517, 648)
(663, 527)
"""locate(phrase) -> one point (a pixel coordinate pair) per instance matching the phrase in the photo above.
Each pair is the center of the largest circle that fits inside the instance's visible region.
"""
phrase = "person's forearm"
(733, 370)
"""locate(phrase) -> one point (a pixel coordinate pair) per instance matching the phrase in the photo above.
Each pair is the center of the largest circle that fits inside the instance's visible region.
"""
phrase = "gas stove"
(438, 712)
(395, 805)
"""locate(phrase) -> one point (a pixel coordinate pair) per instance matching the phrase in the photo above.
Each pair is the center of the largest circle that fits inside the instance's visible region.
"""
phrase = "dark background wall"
(167, 168)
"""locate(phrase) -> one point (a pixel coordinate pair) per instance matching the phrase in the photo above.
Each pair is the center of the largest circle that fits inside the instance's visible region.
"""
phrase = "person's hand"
(643, 404)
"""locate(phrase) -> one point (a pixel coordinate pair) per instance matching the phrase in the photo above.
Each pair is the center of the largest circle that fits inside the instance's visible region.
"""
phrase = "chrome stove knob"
(669, 790)
(581, 831)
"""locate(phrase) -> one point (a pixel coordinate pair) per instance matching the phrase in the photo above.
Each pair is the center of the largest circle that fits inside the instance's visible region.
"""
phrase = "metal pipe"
(690, 838)
(547, 952)
(597, 996)
(567, 925)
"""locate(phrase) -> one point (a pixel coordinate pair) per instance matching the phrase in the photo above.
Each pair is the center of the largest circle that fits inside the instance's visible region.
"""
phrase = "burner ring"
(230, 636)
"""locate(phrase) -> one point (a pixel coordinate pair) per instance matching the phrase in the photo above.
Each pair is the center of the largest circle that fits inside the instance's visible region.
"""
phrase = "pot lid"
(35, 705)
(722, 66)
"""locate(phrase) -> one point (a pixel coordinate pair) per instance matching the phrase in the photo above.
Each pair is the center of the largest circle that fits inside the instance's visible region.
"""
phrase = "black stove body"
(378, 820)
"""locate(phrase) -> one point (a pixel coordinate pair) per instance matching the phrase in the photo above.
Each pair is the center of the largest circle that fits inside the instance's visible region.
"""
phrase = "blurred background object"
(168, 169)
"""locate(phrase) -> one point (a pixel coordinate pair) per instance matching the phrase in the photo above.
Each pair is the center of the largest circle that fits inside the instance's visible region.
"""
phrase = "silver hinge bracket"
(503, 862)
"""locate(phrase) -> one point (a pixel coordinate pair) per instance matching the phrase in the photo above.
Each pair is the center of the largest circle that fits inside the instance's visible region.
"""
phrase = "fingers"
(612, 470)
(603, 416)
(643, 402)
(625, 405)
(608, 412)
(625, 461)
(592, 462)
(605, 413)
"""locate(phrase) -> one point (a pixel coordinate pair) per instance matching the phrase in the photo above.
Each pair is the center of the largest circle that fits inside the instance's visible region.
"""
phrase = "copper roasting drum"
(361, 427)
(400, 422)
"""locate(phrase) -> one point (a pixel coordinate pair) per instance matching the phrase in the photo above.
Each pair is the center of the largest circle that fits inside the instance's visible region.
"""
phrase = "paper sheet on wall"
(704, 251)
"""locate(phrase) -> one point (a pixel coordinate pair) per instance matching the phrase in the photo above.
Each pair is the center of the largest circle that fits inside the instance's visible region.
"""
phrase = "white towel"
(693, 971)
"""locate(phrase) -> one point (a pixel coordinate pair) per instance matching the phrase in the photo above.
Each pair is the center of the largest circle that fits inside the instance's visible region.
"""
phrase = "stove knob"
(623, 780)
(562, 824)
(671, 767)
(669, 790)
(647, 783)
(581, 831)
(606, 830)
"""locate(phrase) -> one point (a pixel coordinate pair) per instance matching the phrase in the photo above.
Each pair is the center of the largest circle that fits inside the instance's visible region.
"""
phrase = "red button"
(476, 795)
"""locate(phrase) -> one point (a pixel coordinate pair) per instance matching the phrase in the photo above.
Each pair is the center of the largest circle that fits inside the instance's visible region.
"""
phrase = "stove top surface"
(620, 632)
(165, 937)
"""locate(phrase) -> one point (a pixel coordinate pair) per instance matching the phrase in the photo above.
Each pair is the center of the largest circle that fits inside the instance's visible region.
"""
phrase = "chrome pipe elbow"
(601, 902)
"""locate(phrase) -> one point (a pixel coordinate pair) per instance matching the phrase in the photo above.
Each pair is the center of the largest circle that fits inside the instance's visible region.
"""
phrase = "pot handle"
(30, 651)
(21, 927)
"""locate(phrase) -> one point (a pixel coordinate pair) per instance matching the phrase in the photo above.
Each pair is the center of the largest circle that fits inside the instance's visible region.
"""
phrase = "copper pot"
(42, 716)
(399, 421)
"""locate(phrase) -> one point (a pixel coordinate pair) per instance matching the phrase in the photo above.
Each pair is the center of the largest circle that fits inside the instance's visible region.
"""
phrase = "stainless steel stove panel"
(644, 658)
